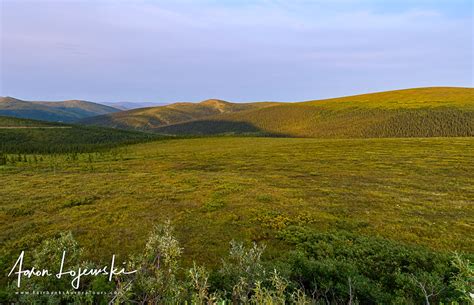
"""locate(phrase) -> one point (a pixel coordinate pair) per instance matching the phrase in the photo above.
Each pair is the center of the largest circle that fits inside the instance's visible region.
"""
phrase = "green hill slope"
(65, 111)
(12, 122)
(423, 112)
(31, 136)
(155, 117)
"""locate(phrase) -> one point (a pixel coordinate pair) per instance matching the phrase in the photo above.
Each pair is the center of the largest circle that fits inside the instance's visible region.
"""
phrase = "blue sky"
(165, 51)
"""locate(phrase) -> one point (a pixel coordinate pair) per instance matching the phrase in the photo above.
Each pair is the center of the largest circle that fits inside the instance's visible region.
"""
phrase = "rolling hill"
(155, 117)
(32, 136)
(65, 111)
(423, 112)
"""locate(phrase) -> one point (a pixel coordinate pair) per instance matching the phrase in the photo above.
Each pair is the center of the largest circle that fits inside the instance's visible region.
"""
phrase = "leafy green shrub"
(216, 201)
(375, 270)
(265, 198)
(49, 254)
(273, 220)
(79, 202)
(156, 280)
(241, 272)
(463, 279)
(213, 205)
(324, 268)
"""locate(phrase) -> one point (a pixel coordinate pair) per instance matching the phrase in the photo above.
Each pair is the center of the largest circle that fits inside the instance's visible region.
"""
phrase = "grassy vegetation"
(388, 212)
(30, 136)
(417, 191)
(406, 98)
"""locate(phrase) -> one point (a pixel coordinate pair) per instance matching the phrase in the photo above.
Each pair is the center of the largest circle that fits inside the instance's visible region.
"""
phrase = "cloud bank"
(165, 51)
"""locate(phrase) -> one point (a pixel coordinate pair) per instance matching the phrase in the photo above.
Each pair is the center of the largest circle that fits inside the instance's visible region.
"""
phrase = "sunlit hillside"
(423, 112)
(155, 117)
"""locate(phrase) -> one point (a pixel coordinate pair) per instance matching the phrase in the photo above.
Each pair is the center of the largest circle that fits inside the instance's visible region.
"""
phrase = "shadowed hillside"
(424, 112)
(155, 117)
(31, 136)
(65, 111)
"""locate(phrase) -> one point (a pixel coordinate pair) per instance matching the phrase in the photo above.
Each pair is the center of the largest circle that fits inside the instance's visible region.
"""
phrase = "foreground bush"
(324, 268)
(341, 266)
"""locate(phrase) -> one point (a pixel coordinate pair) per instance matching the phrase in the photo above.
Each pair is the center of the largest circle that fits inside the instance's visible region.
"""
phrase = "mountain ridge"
(150, 118)
(415, 112)
(60, 111)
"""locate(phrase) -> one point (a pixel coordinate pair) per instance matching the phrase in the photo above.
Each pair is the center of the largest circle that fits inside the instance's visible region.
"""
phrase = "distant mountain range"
(64, 111)
(152, 118)
(133, 105)
(420, 112)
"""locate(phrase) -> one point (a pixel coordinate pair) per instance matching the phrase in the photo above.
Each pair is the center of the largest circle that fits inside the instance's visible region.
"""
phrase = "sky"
(247, 50)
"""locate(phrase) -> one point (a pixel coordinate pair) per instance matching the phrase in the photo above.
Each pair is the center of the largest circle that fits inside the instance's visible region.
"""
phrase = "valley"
(373, 188)
(417, 191)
